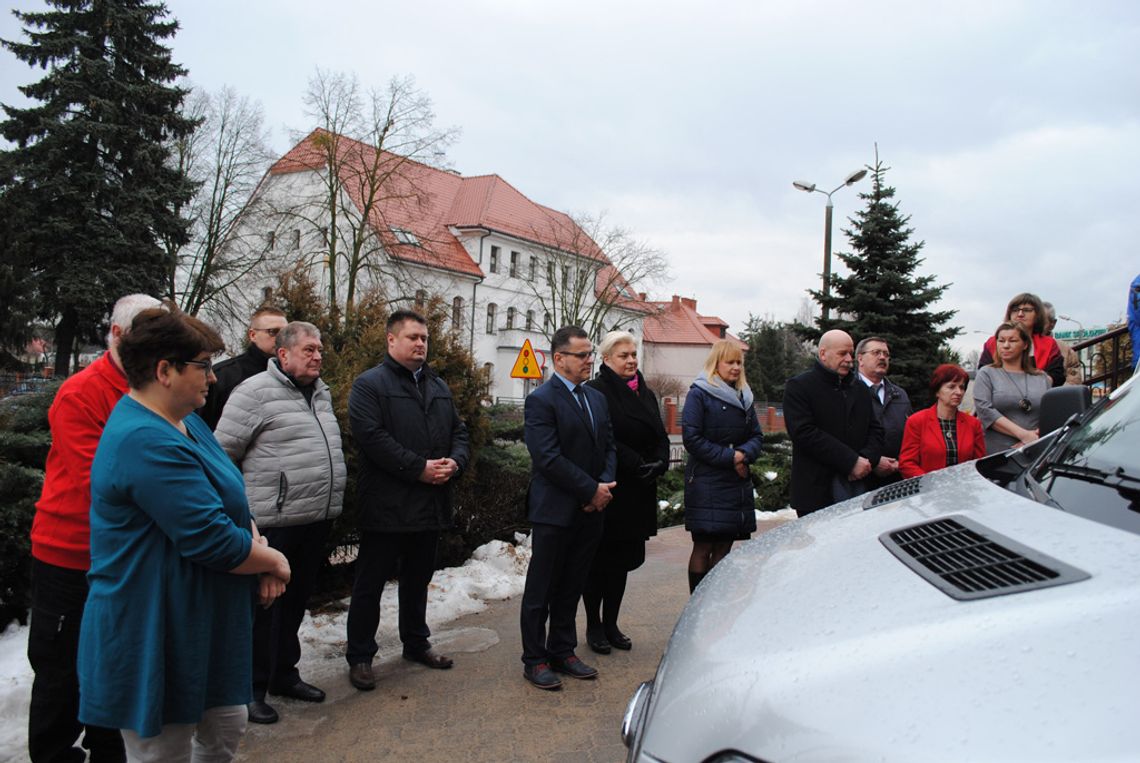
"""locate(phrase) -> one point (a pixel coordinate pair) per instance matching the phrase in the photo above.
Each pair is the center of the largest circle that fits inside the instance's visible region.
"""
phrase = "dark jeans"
(559, 563)
(383, 556)
(58, 597)
(276, 648)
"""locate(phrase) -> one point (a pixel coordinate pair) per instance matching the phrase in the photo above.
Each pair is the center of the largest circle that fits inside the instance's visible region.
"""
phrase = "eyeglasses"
(271, 332)
(878, 353)
(1023, 309)
(581, 355)
(205, 365)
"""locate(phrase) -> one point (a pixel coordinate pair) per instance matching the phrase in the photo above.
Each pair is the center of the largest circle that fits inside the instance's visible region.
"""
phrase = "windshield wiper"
(1116, 478)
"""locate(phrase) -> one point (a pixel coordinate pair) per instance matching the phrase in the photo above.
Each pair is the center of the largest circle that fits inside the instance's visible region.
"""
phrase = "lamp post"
(853, 178)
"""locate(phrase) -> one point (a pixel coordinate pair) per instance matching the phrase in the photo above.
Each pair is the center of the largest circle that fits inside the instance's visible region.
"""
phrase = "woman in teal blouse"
(164, 649)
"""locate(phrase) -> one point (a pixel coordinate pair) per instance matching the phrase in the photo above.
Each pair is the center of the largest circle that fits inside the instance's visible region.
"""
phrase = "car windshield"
(1095, 471)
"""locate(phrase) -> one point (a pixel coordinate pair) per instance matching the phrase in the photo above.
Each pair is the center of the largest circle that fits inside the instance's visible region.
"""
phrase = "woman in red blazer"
(941, 435)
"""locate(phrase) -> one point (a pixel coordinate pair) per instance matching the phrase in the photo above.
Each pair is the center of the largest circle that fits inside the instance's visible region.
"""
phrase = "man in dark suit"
(836, 438)
(573, 463)
(890, 403)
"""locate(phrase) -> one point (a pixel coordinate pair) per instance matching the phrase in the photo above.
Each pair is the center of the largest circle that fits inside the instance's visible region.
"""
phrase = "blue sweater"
(166, 631)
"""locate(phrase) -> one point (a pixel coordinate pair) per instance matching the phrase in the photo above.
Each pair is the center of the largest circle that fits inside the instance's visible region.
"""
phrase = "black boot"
(695, 579)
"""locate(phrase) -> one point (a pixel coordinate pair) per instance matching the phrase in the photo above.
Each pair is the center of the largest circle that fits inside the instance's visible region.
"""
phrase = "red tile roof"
(677, 322)
(429, 202)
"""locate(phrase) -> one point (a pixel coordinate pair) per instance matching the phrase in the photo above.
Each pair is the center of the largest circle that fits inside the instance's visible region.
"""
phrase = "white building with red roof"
(677, 339)
(478, 243)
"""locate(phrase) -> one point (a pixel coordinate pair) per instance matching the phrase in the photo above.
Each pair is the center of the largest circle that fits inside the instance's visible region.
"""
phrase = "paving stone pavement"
(482, 709)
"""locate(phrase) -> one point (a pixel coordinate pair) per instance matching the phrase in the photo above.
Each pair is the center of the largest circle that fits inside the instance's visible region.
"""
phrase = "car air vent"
(895, 492)
(966, 560)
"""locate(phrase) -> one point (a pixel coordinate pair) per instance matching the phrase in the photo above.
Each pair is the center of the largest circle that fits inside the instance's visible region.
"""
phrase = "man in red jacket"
(61, 553)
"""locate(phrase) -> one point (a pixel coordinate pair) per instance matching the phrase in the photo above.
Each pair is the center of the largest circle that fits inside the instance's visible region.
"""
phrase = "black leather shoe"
(573, 667)
(619, 640)
(430, 658)
(542, 676)
(598, 643)
(302, 691)
(259, 712)
(360, 676)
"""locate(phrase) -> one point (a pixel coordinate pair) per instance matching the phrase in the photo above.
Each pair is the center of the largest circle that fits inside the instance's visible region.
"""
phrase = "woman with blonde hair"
(722, 435)
(631, 517)
(1007, 393)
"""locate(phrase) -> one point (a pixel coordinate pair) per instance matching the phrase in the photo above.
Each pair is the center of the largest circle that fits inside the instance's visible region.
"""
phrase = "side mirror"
(1060, 403)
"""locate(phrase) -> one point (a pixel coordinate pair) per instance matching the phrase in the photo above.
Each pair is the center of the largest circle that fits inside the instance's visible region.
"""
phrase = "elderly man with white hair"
(836, 437)
(61, 553)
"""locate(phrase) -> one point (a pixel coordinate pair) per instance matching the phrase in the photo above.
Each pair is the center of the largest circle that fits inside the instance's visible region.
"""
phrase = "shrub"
(24, 443)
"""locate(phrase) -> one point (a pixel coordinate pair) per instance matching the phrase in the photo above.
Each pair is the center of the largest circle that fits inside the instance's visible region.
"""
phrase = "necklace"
(1023, 403)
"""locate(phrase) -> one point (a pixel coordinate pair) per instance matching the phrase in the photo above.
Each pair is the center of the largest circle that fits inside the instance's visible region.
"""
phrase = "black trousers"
(383, 556)
(58, 597)
(276, 647)
(559, 563)
(605, 586)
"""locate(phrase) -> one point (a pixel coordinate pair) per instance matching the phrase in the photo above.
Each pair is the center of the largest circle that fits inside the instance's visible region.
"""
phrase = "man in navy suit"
(573, 463)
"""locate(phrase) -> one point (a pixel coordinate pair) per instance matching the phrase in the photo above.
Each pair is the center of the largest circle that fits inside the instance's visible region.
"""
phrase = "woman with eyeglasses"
(941, 435)
(1007, 393)
(164, 643)
(722, 436)
(1029, 311)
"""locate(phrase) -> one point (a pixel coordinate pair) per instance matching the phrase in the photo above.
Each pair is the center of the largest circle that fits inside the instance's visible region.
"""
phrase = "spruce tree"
(884, 296)
(90, 178)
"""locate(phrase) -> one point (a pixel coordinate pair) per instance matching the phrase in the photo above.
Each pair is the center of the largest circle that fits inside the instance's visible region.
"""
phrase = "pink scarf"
(632, 383)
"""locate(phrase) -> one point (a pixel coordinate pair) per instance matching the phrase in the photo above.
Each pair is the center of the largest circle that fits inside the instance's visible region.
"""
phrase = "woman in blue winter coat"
(722, 435)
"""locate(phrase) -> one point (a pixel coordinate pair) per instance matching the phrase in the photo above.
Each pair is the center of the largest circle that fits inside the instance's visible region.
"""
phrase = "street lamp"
(853, 178)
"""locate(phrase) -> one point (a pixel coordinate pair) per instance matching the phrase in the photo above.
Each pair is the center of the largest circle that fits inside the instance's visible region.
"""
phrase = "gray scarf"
(721, 390)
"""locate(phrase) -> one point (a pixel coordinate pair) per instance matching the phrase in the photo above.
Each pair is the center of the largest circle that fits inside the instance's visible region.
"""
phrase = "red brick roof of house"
(430, 202)
(677, 322)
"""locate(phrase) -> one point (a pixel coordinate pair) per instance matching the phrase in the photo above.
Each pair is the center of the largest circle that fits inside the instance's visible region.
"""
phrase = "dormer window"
(405, 236)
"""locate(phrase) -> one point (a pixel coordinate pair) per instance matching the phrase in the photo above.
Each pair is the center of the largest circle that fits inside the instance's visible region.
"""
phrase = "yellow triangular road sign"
(526, 364)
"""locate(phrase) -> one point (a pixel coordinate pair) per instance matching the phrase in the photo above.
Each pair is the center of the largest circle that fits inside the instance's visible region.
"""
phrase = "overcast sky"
(1012, 129)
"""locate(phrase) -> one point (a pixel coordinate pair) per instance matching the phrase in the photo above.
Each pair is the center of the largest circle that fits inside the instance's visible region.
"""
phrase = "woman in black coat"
(631, 517)
(722, 435)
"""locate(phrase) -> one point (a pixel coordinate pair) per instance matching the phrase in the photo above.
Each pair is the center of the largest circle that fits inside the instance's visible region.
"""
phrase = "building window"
(267, 293)
(325, 235)
(271, 239)
(491, 318)
(547, 324)
(514, 264)
(489, 369)
(550, 273)
(494, 259)
(565, 276)
(457, 313)
(533, 268)
(510, 317)
(530, 320)
(405, 236)
(421, 297)
(296, 238)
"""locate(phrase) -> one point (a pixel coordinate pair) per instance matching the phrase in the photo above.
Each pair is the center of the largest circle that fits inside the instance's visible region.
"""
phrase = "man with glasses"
(573, 464)
(890, 403)
(263, 329)
(280, 429)
(61, 553)
(412, 446)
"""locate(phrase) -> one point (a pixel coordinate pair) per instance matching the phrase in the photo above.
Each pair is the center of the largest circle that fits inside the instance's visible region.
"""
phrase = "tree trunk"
(65, 332)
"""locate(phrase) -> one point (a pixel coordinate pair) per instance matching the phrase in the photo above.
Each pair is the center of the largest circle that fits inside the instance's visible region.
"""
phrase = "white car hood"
(822, 645)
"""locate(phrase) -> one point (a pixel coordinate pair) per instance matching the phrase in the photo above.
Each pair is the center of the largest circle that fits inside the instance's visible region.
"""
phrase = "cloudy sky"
(1012, 129)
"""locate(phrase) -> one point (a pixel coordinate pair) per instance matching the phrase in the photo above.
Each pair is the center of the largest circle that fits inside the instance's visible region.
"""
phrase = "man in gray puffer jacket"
(278, 426)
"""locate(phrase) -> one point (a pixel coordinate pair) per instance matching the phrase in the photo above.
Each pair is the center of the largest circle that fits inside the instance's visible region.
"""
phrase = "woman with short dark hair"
(941, 435)
(164, 650)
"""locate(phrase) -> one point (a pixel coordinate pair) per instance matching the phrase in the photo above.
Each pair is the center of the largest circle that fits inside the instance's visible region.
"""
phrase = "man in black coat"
(412, 445)
(890, 402)
(264, 325)
(836, 438)
(573, 462)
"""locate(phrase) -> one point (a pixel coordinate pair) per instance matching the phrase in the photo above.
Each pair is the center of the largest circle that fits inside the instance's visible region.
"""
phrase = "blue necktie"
(581, 395)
